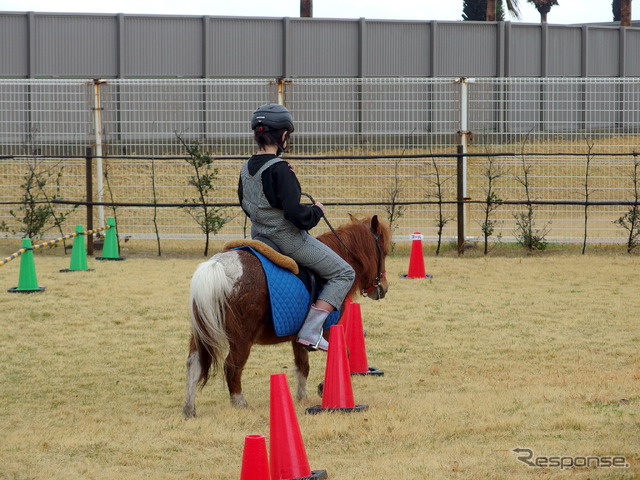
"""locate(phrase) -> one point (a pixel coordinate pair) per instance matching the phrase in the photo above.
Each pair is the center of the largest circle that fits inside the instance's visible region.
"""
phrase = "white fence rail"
(573, 137)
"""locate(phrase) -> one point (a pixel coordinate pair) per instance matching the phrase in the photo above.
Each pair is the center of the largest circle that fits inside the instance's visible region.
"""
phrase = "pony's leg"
(301, 361)
(194, 371)
(233, 366)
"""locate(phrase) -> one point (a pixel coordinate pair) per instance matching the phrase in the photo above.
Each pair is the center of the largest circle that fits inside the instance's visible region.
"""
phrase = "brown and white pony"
(229, 302)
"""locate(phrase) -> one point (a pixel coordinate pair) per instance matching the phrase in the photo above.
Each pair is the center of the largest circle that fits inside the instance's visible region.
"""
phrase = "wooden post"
(89, 187)
(460, 198)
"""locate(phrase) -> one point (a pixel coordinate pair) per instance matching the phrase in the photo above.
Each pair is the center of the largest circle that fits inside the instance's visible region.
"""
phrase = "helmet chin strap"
(281, 144)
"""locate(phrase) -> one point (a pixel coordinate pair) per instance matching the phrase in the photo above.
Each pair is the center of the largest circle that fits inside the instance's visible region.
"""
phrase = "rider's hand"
(318, 204)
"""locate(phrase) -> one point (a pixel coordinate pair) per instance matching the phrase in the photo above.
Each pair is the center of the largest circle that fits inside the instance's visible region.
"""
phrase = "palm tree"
(306, 8)
(615, 8)
(512, 7)
(543, 7)
(476, 10)
(625, 13)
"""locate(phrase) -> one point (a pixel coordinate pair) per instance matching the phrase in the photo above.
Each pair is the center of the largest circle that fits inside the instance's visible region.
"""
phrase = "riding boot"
(310, 335)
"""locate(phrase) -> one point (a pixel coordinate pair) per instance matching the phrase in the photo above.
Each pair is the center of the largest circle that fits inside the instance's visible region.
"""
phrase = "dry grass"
(489, 355)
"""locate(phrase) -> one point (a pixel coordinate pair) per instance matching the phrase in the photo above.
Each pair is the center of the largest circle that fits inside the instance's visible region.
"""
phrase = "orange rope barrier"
(15, 255)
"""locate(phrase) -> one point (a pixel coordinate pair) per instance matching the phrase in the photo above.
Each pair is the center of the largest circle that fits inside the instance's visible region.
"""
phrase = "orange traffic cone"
(337, 393)
(358, 364)
(346, 311)
(287, 453)
(416, 259)
(255, 463)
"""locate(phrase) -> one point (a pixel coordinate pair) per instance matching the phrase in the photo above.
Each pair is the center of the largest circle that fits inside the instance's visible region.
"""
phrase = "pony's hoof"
(238, 401)
(189, 412)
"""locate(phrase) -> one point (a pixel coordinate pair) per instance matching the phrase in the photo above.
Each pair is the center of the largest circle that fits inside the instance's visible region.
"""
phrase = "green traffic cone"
(78, 253)
(110, 249)
(27, 282)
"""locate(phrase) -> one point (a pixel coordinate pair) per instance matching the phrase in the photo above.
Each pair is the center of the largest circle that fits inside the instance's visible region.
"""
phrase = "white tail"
(210, 286)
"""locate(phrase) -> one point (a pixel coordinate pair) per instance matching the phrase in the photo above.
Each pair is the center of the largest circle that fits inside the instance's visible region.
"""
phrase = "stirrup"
(310, 347)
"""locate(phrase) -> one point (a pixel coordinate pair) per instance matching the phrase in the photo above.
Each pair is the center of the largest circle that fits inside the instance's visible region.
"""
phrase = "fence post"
(462, 159)
(280, 90)
(460, 198)
(89, 193)
(97, 125)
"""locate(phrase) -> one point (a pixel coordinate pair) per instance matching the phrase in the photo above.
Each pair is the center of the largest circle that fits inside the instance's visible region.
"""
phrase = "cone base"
(34, 290)
(109, 258)
(406, 275)
(77, 270)
(318, 409)
(315, 475)
(372, 371)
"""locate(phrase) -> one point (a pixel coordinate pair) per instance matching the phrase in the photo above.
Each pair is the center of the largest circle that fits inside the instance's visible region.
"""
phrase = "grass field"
(491, 354)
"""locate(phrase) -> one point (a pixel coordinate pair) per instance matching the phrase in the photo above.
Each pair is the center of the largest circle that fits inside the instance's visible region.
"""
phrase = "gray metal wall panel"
(598, 101)
(156, 112)
(466, 49)
(603, 45)
(60, 112)
(565, 51)
(79, 45)
(559, 112)
(75, 46)
(631, 97)
(14, 114)
(522, 110)
(229, 107)
(403, 110)
(397, 49)
(163, 46)
(631, 49)
(323, 48)
(525, 51)
(326, 104)
(245, 47)
(14, 46)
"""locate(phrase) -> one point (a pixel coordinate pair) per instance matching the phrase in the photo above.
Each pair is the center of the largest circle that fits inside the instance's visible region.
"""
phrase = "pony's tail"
(210, 287)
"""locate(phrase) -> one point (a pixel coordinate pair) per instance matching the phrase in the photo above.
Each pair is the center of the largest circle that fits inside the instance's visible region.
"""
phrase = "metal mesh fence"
(357, 141)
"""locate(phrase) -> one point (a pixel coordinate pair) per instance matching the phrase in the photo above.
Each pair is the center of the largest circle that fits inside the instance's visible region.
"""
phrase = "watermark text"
(527, 456)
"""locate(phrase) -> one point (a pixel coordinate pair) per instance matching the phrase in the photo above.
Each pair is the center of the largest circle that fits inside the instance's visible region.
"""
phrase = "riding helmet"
(273, 116)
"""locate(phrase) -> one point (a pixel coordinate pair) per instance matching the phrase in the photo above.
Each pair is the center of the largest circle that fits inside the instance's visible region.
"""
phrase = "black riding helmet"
(272, 116)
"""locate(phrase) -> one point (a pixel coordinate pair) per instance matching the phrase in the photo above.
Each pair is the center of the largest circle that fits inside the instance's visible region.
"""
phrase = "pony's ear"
(352, 218)
(375, 224)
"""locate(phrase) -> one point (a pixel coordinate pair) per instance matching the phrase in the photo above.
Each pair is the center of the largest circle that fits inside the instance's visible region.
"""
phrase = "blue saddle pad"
(288, 298)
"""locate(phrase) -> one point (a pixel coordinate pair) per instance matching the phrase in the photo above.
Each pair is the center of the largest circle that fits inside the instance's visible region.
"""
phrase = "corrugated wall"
(68, 47)
(604, 44)
(467, 49)
(524, 51)
(163, 47)
(564, 52)
(320, 48)
(244, 47)
(631, 49)
(41, 45)
(397, 49)
(14, 46)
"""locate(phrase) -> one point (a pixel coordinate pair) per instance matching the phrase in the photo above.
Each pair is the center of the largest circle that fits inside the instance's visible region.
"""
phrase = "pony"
(229, 307)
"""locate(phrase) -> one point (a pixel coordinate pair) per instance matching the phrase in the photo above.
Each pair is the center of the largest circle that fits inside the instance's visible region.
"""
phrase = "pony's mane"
(362, 254)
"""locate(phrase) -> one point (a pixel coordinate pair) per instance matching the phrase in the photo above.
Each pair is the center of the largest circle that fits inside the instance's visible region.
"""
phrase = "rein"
(329, 225)
(376, 281)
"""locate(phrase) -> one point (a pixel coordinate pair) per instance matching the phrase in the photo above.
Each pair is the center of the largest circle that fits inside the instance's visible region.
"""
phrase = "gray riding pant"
(319, 258)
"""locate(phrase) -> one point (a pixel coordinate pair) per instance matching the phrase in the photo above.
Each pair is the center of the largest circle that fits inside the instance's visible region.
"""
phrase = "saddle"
(292, 289)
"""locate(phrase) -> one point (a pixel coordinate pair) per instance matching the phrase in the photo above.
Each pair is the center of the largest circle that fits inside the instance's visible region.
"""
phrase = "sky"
(567, 12)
